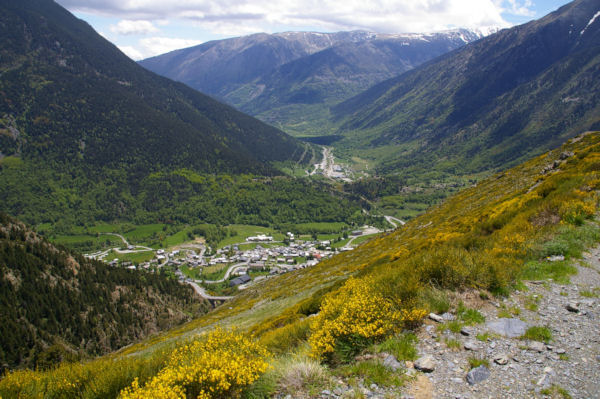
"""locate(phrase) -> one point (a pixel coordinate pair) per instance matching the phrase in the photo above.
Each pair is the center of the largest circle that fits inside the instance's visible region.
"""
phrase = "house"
(356, 233)
(260, 238)
(240, 280)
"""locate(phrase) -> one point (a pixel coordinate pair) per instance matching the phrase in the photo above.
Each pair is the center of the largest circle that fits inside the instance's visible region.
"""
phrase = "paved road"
(200, 291)
(391, 220)
(127, 245)
(227, 273)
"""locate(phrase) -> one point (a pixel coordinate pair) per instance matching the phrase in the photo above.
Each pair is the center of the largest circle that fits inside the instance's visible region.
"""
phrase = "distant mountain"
(286, 78)
(56, 305)
(489, 104)
(70, 98)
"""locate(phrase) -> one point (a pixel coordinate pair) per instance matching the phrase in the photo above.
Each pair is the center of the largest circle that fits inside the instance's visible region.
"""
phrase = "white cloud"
(516, 8)
(242, 16)
(132, 52)
(131, 27)
(151, 46)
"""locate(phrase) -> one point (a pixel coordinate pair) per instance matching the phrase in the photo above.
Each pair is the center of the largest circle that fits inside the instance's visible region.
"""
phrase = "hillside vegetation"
(87, 135)
(486, 106)
(57, 305)
(486, 238)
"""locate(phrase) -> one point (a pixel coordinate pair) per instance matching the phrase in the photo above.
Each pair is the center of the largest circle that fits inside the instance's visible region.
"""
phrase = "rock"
(501, 359)
(392, 363)
(477, 375)
(536, 346)
(448, 316)
(374, 387)
(565, 154)
(338, 391)
(326, 392)
(467, 331)
(471, 346)
(511, 328)
(573, 307)
(436, 318)
(425, 364)
(555, 258)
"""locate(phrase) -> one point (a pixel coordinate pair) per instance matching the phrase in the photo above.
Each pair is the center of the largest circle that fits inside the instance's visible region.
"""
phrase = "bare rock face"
(510, 328)
(477, 375)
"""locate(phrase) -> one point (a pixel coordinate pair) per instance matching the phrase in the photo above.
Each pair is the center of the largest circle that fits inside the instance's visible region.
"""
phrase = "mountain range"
(70, 97)
(86, 134)
(487, 105)
(286, 78)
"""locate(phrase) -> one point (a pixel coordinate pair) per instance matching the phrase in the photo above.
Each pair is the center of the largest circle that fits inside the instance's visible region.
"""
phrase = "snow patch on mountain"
(590, 22)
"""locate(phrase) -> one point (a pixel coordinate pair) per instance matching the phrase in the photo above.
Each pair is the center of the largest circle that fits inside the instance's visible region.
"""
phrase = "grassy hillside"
(486, 106)
(486, 238)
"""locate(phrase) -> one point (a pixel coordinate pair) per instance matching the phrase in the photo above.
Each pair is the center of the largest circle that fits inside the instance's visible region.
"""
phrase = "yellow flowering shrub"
(355, 315)
(218, 366)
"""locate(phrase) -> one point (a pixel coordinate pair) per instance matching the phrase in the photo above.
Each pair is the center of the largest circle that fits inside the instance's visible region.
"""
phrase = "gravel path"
(570, 362)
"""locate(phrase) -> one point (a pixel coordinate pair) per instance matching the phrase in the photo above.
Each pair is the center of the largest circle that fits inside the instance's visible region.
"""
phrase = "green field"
(136, 257)
(244, 231)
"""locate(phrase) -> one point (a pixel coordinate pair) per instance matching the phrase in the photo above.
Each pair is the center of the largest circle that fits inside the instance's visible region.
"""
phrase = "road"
(227, 273)
(391, 220)
(326, 164)
(200, 291)
(127, 245)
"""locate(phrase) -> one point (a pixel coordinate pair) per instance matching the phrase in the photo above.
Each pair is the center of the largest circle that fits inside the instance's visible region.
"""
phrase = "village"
(238, 265)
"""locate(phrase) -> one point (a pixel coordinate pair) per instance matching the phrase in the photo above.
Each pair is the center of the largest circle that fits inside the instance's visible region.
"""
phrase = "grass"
(538, 333)
(135, 257)
(243, 231)
(556, 391)
(455, 326)
(531, 303)
(361, 239)
(191, 272)
(483, 337)
(402, 346)
(453, 344)
(371, 372)
(215, 272)
(589, 294)
(563, 356)
(437, 301)
(469, 316)
(475, 362)
(509, 312)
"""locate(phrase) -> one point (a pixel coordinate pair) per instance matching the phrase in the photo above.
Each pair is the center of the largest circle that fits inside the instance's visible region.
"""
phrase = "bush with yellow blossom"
(355, 316)
(218, 366)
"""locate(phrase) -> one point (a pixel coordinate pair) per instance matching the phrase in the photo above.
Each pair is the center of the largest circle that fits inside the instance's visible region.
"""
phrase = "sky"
(145, 28)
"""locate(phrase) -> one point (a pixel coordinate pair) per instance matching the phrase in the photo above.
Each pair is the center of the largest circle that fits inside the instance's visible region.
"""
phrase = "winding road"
(200, 291)
(227, 273)
(391, 220)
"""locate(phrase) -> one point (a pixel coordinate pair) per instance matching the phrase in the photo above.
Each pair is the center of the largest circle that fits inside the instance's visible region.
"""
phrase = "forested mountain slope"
(489, 104)
(86, 134)
(56, 305)
(71, 99)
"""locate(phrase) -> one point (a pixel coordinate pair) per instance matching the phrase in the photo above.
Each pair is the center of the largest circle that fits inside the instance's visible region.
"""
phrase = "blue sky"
(143, 28)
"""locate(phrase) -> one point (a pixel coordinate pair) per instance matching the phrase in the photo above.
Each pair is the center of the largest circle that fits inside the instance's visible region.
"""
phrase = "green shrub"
(538, 333)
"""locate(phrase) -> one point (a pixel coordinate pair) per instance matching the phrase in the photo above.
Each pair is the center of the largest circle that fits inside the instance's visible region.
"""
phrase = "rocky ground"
(567, 366)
